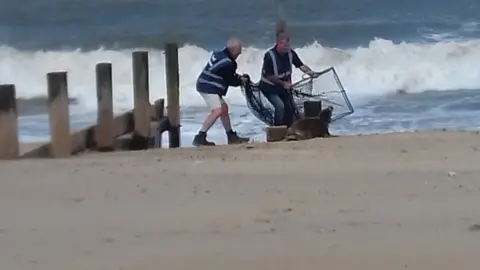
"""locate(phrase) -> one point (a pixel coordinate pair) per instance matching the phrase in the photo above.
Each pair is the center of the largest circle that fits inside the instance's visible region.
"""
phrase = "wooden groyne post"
(59, 114)
(173, 93)
(162, 126)
(281, 24)
(110, 132)
(141, 100)
(104, 132)
(9, 146)
(312, 108)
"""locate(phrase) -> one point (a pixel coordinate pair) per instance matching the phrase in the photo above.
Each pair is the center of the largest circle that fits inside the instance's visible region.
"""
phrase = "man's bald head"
(234, 45)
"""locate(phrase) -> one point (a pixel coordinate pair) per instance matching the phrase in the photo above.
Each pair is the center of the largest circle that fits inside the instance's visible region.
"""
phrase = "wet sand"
(396, 201)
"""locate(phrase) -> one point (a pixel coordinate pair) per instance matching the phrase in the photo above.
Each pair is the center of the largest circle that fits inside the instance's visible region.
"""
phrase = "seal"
(311, 127)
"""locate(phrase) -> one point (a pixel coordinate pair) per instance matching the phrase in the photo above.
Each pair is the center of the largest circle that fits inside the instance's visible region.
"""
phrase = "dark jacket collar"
(227, 52)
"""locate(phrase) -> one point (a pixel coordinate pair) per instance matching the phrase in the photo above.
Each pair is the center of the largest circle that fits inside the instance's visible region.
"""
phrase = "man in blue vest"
(218, 74)
(276, 79)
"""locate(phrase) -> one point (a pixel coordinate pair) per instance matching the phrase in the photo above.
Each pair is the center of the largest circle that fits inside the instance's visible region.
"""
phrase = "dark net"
(324, 86)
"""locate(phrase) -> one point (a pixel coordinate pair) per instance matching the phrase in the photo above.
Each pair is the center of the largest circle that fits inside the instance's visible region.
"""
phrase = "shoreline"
(28, 146)
(396, 201)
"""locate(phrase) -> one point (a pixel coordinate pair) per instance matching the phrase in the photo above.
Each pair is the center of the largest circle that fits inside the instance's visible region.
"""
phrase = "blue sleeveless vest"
(210, 82)
(282, 69)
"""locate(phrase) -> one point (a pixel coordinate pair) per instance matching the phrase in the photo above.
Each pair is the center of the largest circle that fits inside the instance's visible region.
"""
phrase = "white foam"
(380, 68)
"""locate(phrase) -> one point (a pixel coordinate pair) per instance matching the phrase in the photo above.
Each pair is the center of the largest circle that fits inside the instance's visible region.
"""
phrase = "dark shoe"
(233, 138)
(201, 140)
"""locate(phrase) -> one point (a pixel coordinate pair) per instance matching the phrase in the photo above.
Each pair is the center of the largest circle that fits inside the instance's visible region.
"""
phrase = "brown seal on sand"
(311, 127)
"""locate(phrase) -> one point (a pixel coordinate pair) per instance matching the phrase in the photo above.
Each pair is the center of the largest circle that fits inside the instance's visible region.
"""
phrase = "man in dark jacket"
(212, 84)
(276, 80)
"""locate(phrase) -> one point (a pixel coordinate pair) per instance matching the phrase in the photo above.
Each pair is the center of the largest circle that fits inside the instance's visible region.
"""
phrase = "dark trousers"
(282, 101)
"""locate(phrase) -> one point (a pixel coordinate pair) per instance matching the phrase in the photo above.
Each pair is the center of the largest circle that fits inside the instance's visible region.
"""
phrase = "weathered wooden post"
(141, 100)
(281, 24)
(59, 114)
(159, 109)
(173, 93)
(276, 133)
(9, 148)
(104, 132)
(312, 108)
(159, 115)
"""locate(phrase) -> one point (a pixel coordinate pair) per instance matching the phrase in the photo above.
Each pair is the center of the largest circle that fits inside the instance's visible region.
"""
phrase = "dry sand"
(397, 201)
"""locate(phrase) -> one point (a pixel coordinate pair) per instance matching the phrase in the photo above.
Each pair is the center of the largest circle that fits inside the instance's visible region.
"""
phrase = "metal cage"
(324, 86)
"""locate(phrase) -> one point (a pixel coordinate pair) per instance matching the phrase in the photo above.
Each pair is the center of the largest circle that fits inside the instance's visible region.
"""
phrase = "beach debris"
(474, 228)
(77, 199)
(273, 190)
(108, 240)
(322, 230)
(451, 174)
(262, 220)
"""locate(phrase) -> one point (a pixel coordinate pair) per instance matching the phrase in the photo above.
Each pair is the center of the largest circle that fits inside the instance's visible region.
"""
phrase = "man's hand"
(287, 85)
(245, 78)
(312, 74)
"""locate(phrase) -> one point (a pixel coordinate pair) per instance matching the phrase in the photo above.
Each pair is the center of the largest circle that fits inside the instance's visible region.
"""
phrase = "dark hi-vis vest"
(210, 82)
(282, 69)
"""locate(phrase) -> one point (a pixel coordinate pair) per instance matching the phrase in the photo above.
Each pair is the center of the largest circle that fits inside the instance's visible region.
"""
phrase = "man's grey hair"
(234, 42)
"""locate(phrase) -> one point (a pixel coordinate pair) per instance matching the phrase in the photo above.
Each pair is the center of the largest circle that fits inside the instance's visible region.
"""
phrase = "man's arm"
(229, 73)
(299, 64)
(268, 70)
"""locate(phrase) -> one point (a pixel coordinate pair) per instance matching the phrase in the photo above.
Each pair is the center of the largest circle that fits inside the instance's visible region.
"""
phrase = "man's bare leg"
(201, 137)
(225, 118)
(211, 119)
(215, 103)
(232, 136)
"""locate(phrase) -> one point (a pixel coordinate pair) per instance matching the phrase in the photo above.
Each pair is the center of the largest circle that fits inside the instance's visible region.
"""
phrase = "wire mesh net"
(324, 86)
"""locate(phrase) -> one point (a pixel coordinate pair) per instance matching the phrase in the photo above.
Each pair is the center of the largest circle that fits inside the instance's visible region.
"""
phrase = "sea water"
(428, 49)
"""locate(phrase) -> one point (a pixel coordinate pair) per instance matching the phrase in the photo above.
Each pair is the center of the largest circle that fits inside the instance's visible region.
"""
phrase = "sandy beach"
(396, 201)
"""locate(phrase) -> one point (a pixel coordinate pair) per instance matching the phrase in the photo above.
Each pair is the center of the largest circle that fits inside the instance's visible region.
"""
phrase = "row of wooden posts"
(104, 136)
